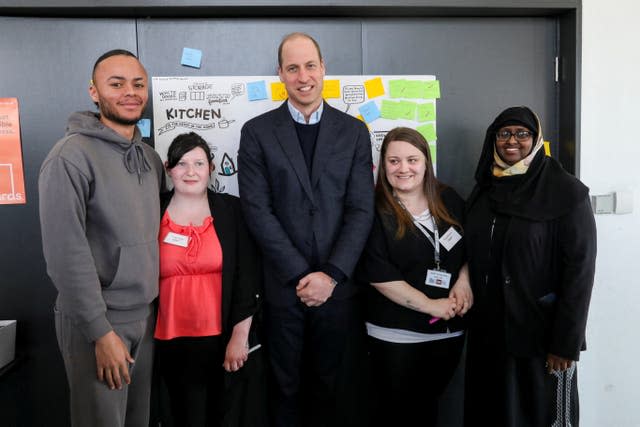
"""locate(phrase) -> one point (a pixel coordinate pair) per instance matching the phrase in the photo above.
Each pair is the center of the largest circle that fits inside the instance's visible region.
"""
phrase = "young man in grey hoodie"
(99, 213)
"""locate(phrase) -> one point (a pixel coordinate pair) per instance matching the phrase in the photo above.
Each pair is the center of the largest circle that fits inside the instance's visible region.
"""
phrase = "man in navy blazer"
(306, 187)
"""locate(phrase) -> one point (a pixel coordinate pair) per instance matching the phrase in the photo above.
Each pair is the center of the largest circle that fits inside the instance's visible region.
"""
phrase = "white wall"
(610, 370)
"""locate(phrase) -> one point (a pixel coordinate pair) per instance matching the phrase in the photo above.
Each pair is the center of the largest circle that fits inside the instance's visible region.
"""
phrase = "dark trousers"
(306, 349)
(192, 371)
(503, 390)
(408, 380)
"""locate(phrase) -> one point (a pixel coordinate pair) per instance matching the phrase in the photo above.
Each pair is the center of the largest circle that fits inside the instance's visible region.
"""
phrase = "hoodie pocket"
(136, 279)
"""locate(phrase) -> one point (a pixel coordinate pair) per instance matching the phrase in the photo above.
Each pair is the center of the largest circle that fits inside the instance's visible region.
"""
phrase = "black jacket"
(547, 275)
(305, 220)
(542, 288)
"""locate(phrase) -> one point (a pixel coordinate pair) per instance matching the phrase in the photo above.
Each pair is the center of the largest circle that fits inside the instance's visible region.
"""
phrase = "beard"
(111, 114)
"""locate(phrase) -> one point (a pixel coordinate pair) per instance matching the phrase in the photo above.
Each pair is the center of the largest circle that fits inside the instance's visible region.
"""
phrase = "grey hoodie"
(99, 214)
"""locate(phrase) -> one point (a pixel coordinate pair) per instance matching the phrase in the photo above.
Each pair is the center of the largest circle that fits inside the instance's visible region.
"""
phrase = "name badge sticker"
(176, 239)
(438, 279)
(450, 238)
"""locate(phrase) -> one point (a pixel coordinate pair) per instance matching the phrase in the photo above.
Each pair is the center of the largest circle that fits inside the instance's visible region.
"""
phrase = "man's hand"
(112, 358)
(315, 289)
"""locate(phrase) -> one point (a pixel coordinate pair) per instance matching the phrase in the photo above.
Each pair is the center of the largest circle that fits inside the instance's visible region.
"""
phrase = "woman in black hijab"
(532, 242)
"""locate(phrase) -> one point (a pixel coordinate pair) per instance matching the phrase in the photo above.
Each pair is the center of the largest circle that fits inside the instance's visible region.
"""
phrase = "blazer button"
(507, 280)
(312, 211)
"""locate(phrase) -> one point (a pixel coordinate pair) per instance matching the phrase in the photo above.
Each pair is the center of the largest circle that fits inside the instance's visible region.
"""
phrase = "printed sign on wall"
(11, 168)
(217, 107)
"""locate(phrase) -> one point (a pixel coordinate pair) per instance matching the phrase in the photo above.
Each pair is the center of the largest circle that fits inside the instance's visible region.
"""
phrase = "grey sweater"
(99, 214)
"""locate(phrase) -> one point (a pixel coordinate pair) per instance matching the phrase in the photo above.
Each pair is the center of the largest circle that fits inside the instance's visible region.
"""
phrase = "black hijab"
(544, 192)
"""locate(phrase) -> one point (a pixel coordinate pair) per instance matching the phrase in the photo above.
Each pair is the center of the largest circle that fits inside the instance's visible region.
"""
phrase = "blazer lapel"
(288, 138)
(327, 135)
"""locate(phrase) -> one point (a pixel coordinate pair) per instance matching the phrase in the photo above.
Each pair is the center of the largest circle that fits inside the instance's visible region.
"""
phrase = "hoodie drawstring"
(135, 161)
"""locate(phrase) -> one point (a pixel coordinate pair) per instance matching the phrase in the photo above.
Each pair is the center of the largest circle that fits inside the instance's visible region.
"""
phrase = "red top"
(190, 280)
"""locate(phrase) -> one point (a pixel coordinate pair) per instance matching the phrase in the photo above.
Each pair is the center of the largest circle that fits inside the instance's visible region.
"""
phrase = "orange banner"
(11, 170)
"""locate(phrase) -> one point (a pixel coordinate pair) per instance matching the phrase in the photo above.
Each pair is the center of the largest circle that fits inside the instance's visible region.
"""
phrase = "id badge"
(438, 279)
(176, 239)
(450, 238)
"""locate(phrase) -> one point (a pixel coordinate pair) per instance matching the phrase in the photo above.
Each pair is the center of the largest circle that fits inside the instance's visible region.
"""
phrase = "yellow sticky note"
(374, 87)
(547, 148)
(331, 89)
(278, 91)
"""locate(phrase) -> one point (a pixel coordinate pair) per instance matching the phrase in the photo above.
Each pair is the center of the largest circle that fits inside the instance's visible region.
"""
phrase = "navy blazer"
(286, 207)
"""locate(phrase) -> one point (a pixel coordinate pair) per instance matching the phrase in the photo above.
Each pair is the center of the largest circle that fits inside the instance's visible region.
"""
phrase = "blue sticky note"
(257, 90)
(145, 127)
(191, 57)
(369, 111)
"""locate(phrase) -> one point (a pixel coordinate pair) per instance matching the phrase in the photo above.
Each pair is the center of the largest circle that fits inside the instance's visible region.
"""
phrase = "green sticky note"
(426, 112)
(389, 110)
(397, 88)
(431, 89)
(433, 151)
(407, 110)
(428, 131)
(414, 89)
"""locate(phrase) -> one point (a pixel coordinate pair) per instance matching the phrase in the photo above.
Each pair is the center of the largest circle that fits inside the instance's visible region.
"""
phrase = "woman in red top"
(208, 286)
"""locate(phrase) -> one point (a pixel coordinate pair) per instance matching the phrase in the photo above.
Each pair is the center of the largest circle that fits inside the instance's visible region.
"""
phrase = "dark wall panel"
(484, 66)
(242, 46)
(46, 64)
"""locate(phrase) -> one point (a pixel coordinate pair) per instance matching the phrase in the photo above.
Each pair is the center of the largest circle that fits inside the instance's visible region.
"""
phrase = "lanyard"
(435, 242)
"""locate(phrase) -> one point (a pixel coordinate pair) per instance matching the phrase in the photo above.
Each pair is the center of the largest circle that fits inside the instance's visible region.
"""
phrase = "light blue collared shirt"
(298, 117)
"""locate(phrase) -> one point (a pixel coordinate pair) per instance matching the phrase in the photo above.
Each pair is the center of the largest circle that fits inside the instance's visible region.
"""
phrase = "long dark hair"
(387, 203)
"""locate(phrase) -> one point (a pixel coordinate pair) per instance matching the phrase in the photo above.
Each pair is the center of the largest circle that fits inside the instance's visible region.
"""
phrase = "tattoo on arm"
(409, 304)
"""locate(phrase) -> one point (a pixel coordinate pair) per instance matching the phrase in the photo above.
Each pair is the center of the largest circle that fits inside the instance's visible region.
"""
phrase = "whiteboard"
(216, 107)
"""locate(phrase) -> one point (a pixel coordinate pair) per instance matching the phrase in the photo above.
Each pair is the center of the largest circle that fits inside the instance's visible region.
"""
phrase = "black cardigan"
(386, 259)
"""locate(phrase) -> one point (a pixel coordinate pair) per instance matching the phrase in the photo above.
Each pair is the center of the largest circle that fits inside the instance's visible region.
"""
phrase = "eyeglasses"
(520, 135)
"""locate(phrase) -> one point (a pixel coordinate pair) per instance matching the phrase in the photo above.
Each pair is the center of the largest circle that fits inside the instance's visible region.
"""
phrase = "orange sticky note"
(331, 89)
(278, 91)
(374, 87)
